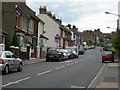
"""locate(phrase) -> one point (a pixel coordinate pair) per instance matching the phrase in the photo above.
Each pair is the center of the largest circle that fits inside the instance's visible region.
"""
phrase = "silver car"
(9, 61)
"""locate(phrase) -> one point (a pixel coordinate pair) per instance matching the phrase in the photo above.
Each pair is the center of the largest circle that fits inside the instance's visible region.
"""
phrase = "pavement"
(108, 77)
(33, 61)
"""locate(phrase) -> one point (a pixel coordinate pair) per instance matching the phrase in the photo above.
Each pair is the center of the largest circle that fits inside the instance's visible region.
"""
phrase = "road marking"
(69, 64)
(16, 81)
(68, 61)
(77, 87)
(44, 72)
(97, 76)
(60, 67)
(76, 62)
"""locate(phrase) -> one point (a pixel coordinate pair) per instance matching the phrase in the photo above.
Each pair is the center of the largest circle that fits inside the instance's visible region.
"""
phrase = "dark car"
(107, 56)
(54, 55)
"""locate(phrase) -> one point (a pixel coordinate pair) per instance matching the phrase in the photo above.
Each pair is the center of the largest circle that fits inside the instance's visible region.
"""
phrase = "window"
(7, 55)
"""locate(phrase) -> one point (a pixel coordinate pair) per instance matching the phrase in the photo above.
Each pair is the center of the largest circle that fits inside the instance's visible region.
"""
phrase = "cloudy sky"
(85, 14)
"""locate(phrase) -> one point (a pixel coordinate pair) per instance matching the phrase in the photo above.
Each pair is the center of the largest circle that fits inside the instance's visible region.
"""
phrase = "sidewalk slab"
(109, 77)
(33, 61)
(108, 85)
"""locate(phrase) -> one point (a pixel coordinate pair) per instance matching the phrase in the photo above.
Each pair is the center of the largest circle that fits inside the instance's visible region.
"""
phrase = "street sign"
(57, 38)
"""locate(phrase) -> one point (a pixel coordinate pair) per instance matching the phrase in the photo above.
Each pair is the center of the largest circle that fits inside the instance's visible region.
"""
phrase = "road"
(74, 73)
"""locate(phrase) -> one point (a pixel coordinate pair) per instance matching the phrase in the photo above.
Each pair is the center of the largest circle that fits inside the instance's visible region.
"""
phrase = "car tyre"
(20, 68)
(47, 60)
(6, 70)
(102, 61)
(59, 60)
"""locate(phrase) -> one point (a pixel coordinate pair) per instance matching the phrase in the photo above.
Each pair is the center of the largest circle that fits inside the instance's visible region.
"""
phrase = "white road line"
(96, 76)
(69, 64)
(16, 81)
(44, 72)
(68, 61)
(76, 62)
(60, 67)
(77, 87)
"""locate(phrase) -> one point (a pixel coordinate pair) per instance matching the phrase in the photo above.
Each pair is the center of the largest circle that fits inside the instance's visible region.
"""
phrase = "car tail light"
(1, 61)
(58, 54)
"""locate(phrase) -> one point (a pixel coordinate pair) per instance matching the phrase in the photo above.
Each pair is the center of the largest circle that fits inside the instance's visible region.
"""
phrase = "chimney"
(53, 16)
(69, 26)
(74, 26)
(42, 10)
(49, 13)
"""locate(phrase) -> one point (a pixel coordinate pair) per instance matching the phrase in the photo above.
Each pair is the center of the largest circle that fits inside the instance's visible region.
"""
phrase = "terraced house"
(53, 27)
(19, 20)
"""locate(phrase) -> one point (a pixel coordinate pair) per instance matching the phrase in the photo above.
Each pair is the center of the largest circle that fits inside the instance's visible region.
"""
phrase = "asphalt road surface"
(74, 73)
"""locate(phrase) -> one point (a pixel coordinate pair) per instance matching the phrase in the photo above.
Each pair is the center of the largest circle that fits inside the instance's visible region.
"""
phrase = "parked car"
(81, 50)
(74, 50)
(86, 47)
(9, 61)
(70, 54)
(65, 53)
(107, 56)
(53, 55)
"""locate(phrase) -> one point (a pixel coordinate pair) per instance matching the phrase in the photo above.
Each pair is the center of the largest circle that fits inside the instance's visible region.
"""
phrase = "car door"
(9, 60)
(15, 61)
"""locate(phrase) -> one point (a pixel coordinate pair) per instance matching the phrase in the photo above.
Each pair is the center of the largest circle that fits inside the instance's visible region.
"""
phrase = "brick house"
(19, 19)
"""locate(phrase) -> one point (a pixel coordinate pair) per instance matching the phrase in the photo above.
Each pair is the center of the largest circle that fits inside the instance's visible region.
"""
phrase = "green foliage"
(26, 41)
(110, 48)
(7, 43)
(89, 42)
(15, 40)
(116, 40)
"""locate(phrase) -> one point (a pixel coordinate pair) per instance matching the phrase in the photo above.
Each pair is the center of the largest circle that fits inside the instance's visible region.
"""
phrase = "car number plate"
(52, 56)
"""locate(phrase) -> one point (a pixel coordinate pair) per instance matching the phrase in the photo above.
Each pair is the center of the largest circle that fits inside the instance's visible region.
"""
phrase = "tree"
(116, 40)
(7, 42)
(15, 41)
(26, 41)
(116, 43)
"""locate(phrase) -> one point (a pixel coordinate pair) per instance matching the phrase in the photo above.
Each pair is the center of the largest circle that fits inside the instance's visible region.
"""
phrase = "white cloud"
(85, 14)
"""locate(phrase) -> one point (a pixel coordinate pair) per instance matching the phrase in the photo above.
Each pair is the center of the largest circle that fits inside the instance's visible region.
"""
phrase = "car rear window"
(107, 53)
(53, 51)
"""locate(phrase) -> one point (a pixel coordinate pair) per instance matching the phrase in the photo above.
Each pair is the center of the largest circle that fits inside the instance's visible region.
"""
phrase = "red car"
(107, 56)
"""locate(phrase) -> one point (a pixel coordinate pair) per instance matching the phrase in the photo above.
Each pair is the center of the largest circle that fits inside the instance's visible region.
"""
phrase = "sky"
(84, 14)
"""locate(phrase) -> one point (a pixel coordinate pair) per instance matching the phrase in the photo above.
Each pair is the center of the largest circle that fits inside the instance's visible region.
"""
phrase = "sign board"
(57, 38)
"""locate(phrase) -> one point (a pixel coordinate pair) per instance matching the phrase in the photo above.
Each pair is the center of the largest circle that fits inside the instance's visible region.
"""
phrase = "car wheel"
(102, 61)
(113, 60)
(59, 60)
(6, 70)
(19, 68)
(47, 60)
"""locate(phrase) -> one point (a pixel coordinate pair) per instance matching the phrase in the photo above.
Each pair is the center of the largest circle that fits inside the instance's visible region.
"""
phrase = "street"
(74, 73)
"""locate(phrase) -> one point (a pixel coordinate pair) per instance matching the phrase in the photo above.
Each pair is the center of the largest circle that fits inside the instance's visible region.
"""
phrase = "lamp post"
(117, 37)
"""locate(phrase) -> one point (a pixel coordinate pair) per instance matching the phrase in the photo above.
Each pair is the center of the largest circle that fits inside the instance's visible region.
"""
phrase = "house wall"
(40, 31)
(51, 28)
